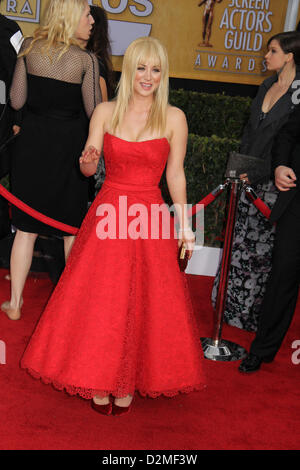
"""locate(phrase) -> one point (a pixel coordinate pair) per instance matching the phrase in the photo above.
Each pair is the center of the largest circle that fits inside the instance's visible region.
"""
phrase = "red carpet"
(260, 411)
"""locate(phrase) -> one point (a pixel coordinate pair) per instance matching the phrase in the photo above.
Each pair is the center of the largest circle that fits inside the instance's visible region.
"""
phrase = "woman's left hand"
(187, 237)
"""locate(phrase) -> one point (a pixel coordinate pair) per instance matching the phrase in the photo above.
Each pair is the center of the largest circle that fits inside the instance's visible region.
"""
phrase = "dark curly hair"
(99, 44)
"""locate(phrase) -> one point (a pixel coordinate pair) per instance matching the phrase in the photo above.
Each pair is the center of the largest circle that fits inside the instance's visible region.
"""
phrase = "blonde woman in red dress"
(120, 320)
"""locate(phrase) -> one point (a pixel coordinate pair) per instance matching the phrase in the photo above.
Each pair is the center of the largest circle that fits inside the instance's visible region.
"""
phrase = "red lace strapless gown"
(120, 319)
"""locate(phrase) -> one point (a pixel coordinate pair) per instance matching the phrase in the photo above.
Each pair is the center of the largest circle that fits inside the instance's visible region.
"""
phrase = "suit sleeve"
(8, 60)
(285, 141)
(10, 41)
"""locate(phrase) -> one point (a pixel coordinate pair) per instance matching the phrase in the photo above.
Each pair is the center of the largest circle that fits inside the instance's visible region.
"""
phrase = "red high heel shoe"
(102, 409)
(121, 410)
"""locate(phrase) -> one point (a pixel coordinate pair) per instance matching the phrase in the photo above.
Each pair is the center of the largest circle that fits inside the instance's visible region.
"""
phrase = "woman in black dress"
(58, 80)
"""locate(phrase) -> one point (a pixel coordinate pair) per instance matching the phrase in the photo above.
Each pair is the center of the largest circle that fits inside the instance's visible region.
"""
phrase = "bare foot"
(12, 313)
(101, 400)
(125, 401)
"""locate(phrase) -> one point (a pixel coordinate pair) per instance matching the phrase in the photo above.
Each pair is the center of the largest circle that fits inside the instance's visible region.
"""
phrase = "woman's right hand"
(89, 161)
(91, 154)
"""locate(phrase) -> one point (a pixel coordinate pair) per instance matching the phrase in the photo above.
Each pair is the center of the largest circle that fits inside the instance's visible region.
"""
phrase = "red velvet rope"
(37, 215)
(205, 202)
(259, 204)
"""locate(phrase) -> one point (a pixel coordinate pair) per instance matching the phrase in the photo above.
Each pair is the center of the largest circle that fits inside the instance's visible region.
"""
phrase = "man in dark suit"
(10, 42)
(280, 299)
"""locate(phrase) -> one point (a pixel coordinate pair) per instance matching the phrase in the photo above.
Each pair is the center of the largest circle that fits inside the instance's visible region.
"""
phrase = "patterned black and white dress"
(254, 235)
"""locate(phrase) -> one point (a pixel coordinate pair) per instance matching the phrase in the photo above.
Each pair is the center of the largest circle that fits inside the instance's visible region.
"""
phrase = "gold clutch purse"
(183, 257)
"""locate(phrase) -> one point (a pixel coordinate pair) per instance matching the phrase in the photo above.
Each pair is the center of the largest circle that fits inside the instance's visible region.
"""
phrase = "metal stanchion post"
(216, 348)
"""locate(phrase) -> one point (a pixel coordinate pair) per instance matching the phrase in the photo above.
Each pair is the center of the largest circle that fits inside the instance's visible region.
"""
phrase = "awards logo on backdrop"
(239, 33)
(122, 33)
(25, 10)
(218, 40)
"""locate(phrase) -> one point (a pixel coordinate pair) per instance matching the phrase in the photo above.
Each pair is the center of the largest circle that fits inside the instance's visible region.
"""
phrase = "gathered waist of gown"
(61, 114)
(130, 187)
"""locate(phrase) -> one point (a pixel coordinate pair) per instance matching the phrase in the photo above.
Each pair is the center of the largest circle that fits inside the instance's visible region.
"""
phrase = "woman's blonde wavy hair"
(59, 26)
(141, 51)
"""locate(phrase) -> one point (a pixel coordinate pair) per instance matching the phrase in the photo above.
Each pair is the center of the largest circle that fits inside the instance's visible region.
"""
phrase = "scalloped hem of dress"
(90, 393)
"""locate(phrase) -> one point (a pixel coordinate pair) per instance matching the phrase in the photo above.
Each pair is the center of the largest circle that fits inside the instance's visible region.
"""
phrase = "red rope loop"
(35, 214)
(259, 204)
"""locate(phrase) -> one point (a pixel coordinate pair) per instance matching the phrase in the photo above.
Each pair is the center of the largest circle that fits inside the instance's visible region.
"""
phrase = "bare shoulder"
(105, 110)
(175, 115)
(176, 123)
